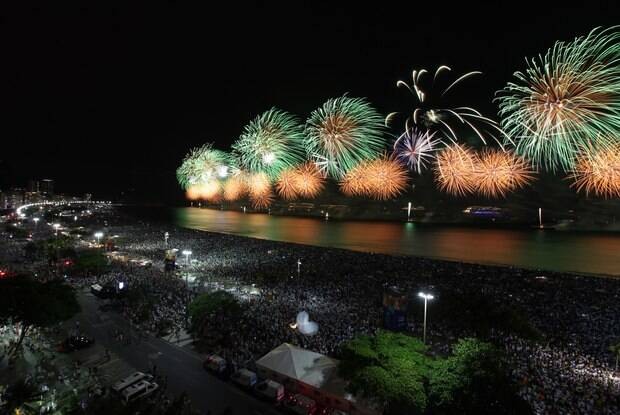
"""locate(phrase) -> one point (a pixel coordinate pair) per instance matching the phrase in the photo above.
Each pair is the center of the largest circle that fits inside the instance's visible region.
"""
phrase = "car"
(244, 378)
(270, 390)
(216, 364)
(73, 343)
(132, 379)
(138, 390)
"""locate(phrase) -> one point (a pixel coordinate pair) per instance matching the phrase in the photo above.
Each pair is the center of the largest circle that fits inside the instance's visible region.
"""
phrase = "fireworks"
(202, 165)
(455, 170)
(415, 148)
(234, 188)
(434, 114)
(598, 172)
(286, 184)
(383, 178)
(270, 143)
(500, 172)
(342, 133)
(308, 180)
(303, 181)
(259, 188)
(566, 101)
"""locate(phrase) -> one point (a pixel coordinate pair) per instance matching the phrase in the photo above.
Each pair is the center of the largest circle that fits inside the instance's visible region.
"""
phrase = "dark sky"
(106, 98)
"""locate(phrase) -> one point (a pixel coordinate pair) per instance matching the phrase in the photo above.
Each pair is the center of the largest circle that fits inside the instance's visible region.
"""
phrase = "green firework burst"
(566, 100)
(342, 133)
(204, 164)
(270, 143)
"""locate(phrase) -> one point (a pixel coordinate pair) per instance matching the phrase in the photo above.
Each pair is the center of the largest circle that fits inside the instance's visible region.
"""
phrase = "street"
(182, 367)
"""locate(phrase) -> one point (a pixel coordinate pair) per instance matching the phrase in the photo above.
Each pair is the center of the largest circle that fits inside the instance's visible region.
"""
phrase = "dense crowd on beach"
(570, 370)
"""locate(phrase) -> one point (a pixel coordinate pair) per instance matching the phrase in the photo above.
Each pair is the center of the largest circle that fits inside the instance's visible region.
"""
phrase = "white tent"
(305, 366)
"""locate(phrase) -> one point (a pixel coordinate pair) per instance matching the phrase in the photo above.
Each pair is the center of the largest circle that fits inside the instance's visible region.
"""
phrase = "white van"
(270, 390)
(130, 380)
(138, 390)
(244, 377)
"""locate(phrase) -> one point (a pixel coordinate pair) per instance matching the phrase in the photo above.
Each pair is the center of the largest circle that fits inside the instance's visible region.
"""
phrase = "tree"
(30, 303)
(391, 367)
(91, 261)
(218, 307)
(397, 370)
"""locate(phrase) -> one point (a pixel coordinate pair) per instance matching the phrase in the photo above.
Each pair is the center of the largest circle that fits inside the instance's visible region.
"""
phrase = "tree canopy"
(399, 372)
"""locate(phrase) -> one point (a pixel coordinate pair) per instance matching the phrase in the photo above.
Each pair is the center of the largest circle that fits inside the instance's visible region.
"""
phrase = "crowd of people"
(569, 367)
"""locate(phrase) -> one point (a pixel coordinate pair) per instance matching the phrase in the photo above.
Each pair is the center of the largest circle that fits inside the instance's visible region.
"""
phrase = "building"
(46, 186)
(313, 375)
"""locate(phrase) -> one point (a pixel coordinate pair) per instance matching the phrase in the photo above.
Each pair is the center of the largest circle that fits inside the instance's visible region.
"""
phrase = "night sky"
(111, 98)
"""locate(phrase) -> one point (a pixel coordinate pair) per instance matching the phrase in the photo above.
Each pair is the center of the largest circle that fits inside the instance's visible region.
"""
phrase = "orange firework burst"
(234, 188)
(598, 172)
(287, 184)
(386, 178)
(455, 170)
(210, 191)
(354, 183)
(380, 179)
(308, 180)
(193, 192)
(499, 172)
(261, 195)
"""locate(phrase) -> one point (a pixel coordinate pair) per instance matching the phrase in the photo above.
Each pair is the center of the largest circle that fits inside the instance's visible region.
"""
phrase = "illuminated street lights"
(56, 226)
(98, 235)
(426, 298)
(187, 253)
(298, 267)
(36, 222)
(166, 236)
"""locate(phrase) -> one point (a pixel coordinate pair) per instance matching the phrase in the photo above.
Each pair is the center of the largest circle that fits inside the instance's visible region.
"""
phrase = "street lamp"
(187, 253)
(36, 221)
(98, 235)
(56, 226)
(426, 298)
(166, 236)
(298, 267)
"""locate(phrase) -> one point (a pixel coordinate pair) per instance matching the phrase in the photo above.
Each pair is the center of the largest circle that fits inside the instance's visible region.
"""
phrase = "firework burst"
(309, 181)
(234, 188)
(500, 172)
(342, 133)
(204, 164)
(415, 149)
(286, 186)
(566, 100)
(455, 170)
(597, 172)
(270, 143)
(433, 113)
(260, 191)
(383, 178)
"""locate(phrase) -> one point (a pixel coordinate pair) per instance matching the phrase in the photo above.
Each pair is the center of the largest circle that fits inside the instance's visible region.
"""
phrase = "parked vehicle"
(135, 377)
(270, 390)
(216, 364)
(300, 404)
(138, 390)
(75, 343)
(244, 378)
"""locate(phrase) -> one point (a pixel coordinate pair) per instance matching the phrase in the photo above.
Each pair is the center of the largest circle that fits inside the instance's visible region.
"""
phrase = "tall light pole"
(298, 267)
(187, 253)
(36, 222)
(426, 298)
(56, 226)
(98, 235)
(166, 236)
